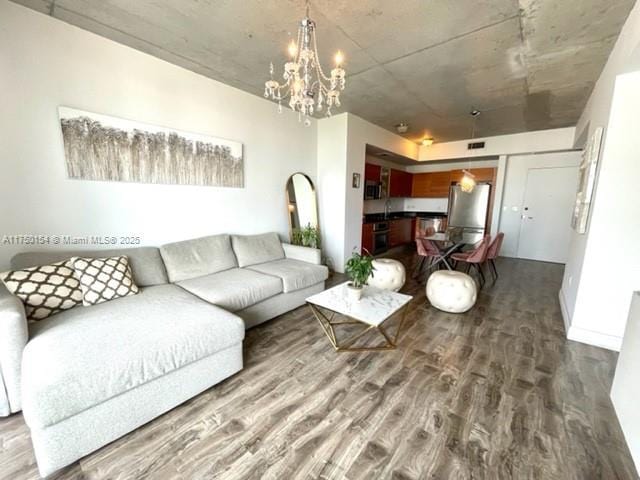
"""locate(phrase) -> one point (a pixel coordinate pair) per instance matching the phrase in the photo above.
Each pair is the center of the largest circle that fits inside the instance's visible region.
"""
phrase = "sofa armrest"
(304, 254)
(14, 335)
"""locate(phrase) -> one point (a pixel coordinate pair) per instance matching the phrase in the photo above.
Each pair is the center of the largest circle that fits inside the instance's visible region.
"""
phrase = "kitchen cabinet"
(400, 231)
(372, 172)
(401, 183)
(367, 237)
(481, 174)
(431, 184)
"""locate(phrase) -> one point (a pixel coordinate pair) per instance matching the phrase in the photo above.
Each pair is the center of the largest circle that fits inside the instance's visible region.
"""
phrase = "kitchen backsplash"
(407, 205)
(377, 206)
(426, 204)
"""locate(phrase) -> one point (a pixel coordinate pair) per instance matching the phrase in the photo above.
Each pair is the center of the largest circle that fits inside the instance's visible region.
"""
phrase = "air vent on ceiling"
(475, 145)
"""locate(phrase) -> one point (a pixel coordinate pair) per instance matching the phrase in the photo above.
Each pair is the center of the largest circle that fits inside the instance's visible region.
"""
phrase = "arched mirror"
(302, 210)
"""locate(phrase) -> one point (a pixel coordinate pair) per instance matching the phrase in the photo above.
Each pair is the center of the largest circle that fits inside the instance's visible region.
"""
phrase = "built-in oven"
(371, 190)
(380, 237)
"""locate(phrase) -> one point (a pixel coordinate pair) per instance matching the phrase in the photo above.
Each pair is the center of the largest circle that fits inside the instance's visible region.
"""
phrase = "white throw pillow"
(44, 290)
(104, 279)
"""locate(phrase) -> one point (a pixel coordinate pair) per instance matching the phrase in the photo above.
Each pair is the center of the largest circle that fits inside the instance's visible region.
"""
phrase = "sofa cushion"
(254, 249)
(87, 355)
(198, 257)
(294, 273)
(146, 264)
(234, 289)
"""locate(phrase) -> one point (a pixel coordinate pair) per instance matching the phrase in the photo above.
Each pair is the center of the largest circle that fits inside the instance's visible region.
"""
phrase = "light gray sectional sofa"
(89, 375)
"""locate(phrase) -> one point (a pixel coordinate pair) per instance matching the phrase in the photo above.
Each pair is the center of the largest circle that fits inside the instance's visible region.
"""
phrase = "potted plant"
(359, 268)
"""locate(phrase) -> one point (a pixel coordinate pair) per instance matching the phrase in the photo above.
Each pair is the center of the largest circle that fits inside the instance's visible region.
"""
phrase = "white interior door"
(545, 229)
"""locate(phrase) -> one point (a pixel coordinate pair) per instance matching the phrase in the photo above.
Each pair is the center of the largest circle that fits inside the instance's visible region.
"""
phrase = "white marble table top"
(374, 307)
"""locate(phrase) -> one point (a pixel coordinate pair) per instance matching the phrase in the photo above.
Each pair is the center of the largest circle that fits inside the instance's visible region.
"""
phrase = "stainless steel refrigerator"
(469, 210)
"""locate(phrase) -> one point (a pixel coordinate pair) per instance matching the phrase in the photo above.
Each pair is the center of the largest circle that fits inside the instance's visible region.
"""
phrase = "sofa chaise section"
(92, 375)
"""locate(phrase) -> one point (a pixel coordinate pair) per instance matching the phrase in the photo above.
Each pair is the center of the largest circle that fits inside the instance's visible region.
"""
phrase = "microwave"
(371, 190)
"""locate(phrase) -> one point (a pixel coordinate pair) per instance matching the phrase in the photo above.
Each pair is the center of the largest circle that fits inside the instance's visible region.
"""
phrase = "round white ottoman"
(453, 292)
(388, 274)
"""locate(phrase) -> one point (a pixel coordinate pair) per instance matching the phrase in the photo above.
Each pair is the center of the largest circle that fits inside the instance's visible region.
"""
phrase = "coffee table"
(374, 308)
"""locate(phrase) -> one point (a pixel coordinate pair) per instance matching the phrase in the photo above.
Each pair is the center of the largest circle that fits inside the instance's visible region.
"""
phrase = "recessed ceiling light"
(427, 142)
(402, 127)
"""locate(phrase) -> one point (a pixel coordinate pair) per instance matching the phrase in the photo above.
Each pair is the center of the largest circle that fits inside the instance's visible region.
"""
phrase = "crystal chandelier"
(468, 180)
(305, 86)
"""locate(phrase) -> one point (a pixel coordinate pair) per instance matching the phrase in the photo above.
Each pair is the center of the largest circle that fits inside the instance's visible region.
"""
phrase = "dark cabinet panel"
(367, 237)
(400, 183)
(372, 172)
(400, 231)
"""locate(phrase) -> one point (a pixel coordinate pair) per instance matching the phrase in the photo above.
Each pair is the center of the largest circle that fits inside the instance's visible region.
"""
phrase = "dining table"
(453, 240)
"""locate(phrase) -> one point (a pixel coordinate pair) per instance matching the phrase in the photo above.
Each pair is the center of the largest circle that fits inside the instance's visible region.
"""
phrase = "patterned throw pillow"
(104, 279)
(44, 290)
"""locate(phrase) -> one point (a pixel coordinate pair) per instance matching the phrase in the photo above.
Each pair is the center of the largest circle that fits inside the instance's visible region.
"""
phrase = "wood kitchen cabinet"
(481, 174)
(372, 172)
(367, 237)
(400, 231)
(431, 184)
(401, 183)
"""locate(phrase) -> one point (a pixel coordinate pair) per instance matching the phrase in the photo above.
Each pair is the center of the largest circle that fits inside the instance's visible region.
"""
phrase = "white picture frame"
(586, 182)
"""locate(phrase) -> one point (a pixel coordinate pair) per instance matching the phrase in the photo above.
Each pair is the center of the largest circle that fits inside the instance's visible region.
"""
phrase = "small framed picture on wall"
(355, 183)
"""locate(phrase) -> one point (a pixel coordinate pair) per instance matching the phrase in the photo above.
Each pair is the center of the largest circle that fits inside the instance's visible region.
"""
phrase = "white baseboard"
(582, 335)
(565, 313)
(597, 339)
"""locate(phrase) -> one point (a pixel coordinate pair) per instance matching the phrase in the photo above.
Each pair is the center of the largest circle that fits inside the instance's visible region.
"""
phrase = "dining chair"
(475, 258)
(493, 252)
(428, 253)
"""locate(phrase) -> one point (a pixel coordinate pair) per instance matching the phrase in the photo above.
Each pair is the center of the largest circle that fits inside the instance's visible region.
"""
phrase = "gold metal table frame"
(328, 324)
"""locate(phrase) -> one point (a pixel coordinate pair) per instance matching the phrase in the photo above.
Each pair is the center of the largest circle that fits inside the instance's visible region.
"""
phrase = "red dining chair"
(475, 258)
(428, 252)
(492, 254)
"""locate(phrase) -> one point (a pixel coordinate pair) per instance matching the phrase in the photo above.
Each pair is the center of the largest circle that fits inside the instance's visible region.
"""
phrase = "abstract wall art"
(101, 147)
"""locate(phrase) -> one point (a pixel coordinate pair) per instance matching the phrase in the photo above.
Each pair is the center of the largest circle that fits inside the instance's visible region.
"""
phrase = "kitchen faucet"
(387, 208)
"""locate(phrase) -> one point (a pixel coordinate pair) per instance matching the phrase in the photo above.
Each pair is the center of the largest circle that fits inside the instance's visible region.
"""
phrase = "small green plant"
(359, 267)
(296, 236)
(310, 237)
(307, 236)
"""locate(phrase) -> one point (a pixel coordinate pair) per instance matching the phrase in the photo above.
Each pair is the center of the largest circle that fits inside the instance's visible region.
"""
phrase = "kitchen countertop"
(379, 217)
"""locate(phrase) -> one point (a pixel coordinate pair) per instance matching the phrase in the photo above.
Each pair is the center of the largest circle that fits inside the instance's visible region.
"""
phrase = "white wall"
(538, 141)
(342, 142)
(623, 58)
(332, 185)
(611, 265)
(515, 184)
(625, 390)
(47, 63)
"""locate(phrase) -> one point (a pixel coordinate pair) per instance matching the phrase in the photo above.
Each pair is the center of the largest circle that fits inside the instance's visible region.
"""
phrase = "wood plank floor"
(497, 393)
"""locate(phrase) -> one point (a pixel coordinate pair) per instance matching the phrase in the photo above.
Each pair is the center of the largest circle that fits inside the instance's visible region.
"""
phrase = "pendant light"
(468, 181)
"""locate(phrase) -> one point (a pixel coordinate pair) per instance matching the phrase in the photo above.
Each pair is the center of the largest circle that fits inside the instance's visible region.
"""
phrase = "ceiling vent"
(475, 145)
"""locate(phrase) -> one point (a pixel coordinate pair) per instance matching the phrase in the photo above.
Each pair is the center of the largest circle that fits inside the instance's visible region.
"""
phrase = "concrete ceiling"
(526, 64)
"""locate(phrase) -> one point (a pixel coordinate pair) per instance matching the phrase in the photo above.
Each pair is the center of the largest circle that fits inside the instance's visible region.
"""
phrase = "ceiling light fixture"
(427, 142)
(402, 127)
(305, 85)
(468, 181)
